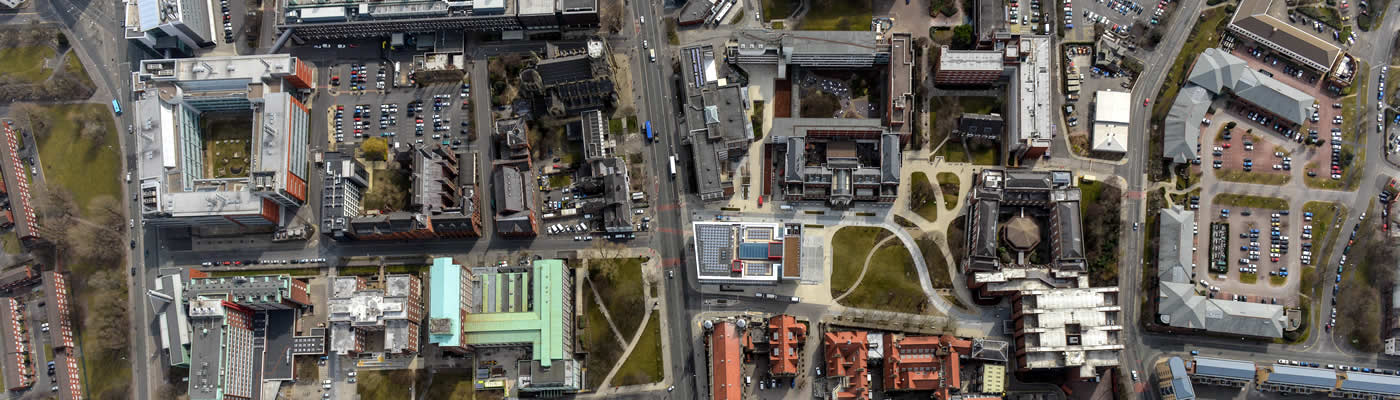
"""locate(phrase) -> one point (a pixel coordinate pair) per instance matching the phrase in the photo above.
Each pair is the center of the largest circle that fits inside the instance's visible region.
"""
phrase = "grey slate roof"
(1224, 368)
(509, 185)
(889, 158)
(984, 243)
(1216, 69)
(1372, 383)
(1182, 307)
(1299, 376)
(1070, 236)
(574, 68)
(1181, 383)
(1027, 180)
(1174, 259)
(795, 158)
(1182, 129)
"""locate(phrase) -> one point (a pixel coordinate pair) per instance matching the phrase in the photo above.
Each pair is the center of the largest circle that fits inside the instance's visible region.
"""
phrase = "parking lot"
(371, 100)
(1257, 263)
(1079, 117)
(1239, 150)
(1117, 16)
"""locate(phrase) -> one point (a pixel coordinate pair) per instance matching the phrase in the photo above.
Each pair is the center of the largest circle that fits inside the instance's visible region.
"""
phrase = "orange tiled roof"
(924, 363)
(726, 361)
(785, 334)
(845, 356)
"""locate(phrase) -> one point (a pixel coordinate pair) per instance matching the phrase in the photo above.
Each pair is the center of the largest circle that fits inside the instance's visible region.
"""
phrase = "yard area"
(599, 341)
(388, 189)
(619, 282)
(451, 384)
(1260, 177)
(389, 384)
(891, 284)
(227, 141)
(837, 15)
(1100, 206)
(101, 329)
(25, 64)
(850, 245)
(85, 163)
(778, 9)
(643, 365)
(948, 183)
(1244, 200)
(921, 197)
(1364, 279)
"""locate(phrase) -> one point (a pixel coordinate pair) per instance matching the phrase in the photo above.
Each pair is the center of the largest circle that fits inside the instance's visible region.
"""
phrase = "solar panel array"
(758, 233)
(716, 244)
(758, 269)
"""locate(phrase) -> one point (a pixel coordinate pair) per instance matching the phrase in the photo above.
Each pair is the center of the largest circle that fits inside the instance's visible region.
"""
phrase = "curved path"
(864, 267)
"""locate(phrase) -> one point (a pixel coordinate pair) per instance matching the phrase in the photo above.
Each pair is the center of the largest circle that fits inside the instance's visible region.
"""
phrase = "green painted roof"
(543, 327)
(445, 297)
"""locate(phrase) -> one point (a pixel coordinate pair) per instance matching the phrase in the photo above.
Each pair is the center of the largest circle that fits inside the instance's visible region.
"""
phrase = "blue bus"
(116, 107)
(647, 128)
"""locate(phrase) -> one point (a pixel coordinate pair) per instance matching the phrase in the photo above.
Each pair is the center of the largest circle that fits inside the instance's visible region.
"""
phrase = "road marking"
(670, 230)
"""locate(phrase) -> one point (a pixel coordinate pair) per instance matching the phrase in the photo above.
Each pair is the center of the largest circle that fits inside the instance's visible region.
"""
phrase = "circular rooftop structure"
(1022, 233)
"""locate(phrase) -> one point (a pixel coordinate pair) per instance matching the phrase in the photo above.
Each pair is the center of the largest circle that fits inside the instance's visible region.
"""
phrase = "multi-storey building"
(847, 361)
(20, 212)
(1261, 21)
(1221, 372)
(257, 293)
(970, 67)
(785, 338)
(758, 253)
(531, 307)
(515, 203)
(221, 351)
(394, 311)
(837, 161)
(184, 181)
(19, 372)
(342, 191)
(726, 360)
(176, 25)
(451, 297)
(1076, 329)
(358, 18)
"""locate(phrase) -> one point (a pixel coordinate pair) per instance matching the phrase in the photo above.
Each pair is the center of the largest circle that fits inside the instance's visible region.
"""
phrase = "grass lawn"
(1249, 279)
(1244, 200)
(621, 290)
(1324, 213)
(84, 167)
(1275, 280)
(11, 242)
(26, 64)
(388, 189)
(105, 373)
(954, 153)
(643, 365)
(891, 284)
(1263, 178)
(836, 15)
(985, 156)
(777, 25)
(226, 145)
(388, 384)
(256, 272)
(599, 341)
(1205, 33)
(928, 210)
(632, 125)
(560, 180)
(615, 126)
(850, 245)
(948, 183)
(74, 66)
(778, 9)
(937, 265)
(451, 384)
(1089, 192)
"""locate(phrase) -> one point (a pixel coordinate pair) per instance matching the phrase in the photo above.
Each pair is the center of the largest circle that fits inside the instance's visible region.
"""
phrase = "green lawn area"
(1259, 177)
(778, 9)
(105, 373)
(11, 242)
(619, 283)
(1249, 279)
(632, 124)
(284, 271)
(1205, 33)
(1244, 200)
(26, 64)
(388, 189)
(615, 126)
(1276, 280)
(891, 284)
(599, 341)
(1326, 15)
(836, 15)
(388, 269)
(985, 156)
(72, 65)
(952, 152)
(643, 365)
(948, 183)
(777, 25)
(928, 210)
(937, 265)
(1089, 192)
(451, 384)
(560, 180)
(1323, 215)
(85, 167)
(850, 245)
(388, 384)
(226, 146)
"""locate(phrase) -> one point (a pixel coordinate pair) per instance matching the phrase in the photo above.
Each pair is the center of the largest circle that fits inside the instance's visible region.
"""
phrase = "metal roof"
(1371, 383)
(445, 302)
(543, 326)
(1300, 376)
(753, 251)
(1224, 368)
(1181, 383)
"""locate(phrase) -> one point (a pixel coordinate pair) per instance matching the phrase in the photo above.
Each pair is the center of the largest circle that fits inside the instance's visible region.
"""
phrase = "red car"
(1145, 101)
(1227, 145)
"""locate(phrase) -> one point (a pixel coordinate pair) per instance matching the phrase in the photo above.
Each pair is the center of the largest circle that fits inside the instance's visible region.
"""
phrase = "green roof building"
(450, 298)
(529, 307)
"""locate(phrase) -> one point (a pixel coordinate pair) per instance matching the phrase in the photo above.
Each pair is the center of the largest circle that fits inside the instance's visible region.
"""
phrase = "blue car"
(1339, 279)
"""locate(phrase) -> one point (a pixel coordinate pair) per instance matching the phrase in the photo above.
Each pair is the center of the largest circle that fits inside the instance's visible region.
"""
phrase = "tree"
(816, 104)
(963, 37)
(920, 193)
(612, 16)
(375, 149)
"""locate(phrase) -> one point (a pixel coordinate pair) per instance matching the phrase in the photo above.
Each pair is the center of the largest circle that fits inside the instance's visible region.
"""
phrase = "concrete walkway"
(592, 288)
(651, 271)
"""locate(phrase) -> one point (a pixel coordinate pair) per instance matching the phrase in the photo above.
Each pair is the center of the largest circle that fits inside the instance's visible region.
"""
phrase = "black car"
(133, 244)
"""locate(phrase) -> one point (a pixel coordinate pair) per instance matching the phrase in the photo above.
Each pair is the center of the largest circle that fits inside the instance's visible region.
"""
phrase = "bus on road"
(647, 128)
(117, 108)
(673, 167)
